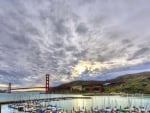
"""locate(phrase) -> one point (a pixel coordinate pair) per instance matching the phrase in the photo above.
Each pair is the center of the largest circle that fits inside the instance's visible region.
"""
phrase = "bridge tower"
(9, 88)
(47, 83)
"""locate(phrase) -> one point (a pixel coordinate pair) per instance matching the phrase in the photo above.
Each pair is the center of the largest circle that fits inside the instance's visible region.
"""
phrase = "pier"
(42, 99)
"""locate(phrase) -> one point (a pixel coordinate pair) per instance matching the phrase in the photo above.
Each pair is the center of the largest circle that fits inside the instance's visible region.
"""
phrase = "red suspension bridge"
(46, 87)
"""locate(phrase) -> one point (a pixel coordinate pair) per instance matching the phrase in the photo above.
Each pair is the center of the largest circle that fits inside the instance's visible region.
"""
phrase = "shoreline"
(115, 94)
(103, 94)
(92, 94)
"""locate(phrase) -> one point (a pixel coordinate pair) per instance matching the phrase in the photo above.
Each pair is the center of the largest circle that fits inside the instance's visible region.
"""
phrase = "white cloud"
(55, 36)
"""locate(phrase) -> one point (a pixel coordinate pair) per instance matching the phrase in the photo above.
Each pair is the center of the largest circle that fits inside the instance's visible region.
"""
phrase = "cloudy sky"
(72, 40)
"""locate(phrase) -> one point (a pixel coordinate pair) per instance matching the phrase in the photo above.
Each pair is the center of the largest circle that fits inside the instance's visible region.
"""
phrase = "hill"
(80, 82)
(131, 83)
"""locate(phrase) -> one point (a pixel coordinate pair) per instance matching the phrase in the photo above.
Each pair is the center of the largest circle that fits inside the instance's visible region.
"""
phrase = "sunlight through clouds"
(75, 39)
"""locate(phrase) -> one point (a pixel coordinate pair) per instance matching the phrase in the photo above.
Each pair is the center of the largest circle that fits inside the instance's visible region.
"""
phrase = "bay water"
(95, 101)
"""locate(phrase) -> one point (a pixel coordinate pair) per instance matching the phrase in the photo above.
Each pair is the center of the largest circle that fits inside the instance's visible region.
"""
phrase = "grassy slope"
(80, 82)
(133, 83)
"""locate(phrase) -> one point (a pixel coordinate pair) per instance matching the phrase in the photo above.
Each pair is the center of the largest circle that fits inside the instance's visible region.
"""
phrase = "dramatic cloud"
(72, 39)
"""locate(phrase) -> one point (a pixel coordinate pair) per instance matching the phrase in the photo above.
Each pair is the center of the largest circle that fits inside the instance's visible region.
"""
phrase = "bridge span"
(27, 88)
(46, 87)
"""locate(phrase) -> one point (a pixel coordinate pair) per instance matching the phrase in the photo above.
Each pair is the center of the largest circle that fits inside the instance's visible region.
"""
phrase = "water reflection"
(95, 101)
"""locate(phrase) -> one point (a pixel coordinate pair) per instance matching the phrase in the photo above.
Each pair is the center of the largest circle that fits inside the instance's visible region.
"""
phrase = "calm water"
(100, 101)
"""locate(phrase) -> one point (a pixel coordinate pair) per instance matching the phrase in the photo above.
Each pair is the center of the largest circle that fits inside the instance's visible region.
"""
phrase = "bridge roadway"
(42, 99)
(27, 88)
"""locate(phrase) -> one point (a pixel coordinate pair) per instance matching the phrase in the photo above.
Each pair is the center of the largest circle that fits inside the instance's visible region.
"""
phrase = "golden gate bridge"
(46, 87)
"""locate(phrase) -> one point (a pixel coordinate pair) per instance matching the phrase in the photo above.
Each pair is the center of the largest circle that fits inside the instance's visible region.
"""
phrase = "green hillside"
(131, 83)
(80, 82)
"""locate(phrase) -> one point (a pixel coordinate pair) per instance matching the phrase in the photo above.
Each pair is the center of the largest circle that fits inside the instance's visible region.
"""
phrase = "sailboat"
(95, 110)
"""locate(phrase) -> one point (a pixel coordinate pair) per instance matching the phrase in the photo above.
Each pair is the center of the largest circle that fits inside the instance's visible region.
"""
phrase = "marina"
(35, 102)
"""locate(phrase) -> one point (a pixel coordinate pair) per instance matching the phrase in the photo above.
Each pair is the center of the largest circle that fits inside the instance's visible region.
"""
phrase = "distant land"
(2, 91)
(130, 83)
